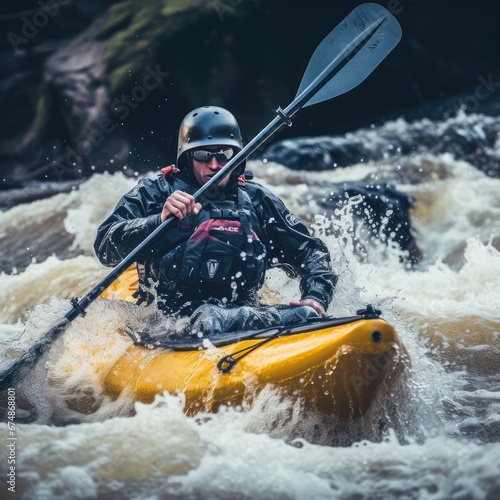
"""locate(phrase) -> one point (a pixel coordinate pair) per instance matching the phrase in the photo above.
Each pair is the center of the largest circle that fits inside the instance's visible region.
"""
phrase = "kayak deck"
(336, 370)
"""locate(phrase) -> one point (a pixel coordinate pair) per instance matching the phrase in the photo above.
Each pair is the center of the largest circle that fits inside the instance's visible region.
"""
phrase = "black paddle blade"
(356, 46)
(21, 365)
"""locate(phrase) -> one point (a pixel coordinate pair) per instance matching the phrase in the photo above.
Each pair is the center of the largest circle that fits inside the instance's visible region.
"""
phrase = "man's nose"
(213, 163)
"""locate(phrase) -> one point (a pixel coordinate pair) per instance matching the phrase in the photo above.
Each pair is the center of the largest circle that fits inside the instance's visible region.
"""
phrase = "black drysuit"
(285, 237)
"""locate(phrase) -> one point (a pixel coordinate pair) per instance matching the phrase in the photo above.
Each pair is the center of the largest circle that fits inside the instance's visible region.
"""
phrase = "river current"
(443, 440)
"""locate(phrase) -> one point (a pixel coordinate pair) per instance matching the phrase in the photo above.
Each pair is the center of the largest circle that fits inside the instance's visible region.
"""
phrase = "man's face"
(206, 165)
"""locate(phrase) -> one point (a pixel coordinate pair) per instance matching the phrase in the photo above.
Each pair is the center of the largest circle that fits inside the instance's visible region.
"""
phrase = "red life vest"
(221, 256)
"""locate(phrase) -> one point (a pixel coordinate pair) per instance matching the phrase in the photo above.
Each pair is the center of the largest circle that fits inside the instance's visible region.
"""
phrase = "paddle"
(341, 62)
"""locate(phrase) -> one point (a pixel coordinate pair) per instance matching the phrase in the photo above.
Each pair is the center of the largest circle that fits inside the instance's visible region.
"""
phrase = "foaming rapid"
(434, 437)
(161, 453)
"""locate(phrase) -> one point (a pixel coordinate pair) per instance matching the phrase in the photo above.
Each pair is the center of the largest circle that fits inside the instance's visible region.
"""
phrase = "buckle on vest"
(224, 213)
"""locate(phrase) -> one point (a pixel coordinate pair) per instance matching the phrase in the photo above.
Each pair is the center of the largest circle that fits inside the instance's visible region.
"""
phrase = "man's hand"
(311, 303)
(180, 205)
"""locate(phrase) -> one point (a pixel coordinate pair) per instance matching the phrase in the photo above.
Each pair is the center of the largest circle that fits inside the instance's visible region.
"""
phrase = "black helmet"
(207, 126)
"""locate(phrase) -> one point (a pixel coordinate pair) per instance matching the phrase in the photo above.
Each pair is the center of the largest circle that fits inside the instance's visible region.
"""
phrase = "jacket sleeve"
(135, 216)
(291, 246)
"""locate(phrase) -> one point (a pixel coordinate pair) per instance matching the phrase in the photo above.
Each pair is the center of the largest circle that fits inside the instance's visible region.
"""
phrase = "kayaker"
(212, 263)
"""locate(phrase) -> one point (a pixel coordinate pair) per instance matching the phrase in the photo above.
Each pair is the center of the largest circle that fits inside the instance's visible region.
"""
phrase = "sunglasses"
(222, 156)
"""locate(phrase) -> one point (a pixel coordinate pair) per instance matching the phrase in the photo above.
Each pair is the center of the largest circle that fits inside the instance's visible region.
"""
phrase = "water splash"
(442, 431)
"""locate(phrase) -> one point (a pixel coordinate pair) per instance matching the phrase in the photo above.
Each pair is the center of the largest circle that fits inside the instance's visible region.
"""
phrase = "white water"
(447, 312)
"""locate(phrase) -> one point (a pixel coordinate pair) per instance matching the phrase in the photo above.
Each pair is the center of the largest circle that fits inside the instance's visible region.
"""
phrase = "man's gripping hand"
(311, 303)
(180, 205)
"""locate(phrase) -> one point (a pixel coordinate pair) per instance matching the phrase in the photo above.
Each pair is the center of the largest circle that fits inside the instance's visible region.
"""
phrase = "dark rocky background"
(74, 58)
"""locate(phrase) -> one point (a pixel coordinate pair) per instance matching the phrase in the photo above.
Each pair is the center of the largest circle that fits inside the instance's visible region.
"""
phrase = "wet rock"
(29, 123)
(60, 86)
(16, 193)
(380, 213)
(473, 138)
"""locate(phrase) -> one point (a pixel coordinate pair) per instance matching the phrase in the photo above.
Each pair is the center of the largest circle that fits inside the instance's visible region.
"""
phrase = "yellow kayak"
(334, 366)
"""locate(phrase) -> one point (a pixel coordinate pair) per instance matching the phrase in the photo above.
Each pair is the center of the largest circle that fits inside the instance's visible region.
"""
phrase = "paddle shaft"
(348, 51)
(283, 117)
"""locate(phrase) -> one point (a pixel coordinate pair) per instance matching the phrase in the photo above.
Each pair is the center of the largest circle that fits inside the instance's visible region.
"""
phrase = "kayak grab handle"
(226, 363)
(369, 312)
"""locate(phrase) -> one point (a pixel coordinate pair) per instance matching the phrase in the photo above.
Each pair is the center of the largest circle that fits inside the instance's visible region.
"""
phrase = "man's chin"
(222, 184)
